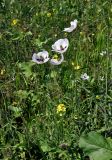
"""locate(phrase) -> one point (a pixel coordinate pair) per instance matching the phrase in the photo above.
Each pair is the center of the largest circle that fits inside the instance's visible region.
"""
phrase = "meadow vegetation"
(50, 112)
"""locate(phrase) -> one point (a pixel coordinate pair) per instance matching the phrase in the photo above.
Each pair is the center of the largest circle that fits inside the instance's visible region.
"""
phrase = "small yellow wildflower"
(97, 97)
(14, 22)
(61, 108)
(49, 14)
(2, 71)
(65, 34)
(81, 33)
(77, 67)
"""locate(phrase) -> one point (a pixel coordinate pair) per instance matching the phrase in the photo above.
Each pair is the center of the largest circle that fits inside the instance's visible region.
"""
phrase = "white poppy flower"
(55, 61)
(72, 27)
(60, 45)
(40, 57)
(85, 76)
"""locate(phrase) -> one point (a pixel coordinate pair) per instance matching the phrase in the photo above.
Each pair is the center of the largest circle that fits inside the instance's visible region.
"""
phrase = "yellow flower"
(65, 34)
(61, 108)
(14, 22)
(97, 97)
(2, 71)
(77, 67)
(49, 14)
(81, 33)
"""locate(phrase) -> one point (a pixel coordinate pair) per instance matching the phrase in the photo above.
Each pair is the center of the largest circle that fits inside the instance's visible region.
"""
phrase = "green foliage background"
(29, 94)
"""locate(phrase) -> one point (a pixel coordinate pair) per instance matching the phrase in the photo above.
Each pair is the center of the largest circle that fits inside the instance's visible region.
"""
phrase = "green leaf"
(53, 74)
(39, 43)
(23, 94)
(26, 68)
(45, 147)
(96, 146)
(16, 110)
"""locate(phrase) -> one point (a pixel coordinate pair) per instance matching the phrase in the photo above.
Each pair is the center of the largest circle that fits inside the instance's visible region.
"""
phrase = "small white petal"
(54, 62)
(72, 27)
(74, 23)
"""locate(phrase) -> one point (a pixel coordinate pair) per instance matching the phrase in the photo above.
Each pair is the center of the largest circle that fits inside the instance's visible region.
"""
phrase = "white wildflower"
(72, 27)
(40, 57)
(85, 76)
(60, 45)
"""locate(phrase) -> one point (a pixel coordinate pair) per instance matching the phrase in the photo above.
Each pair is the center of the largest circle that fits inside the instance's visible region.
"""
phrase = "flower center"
(40, 59)
(62, 48)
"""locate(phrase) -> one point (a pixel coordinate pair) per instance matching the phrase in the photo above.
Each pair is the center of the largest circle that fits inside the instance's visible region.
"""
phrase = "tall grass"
(30, 94)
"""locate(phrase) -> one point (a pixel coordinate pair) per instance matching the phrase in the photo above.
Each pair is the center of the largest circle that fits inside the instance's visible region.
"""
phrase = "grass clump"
(45, 108)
